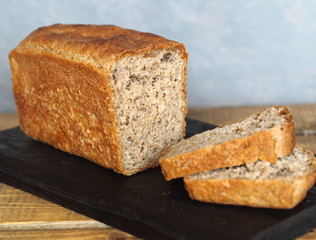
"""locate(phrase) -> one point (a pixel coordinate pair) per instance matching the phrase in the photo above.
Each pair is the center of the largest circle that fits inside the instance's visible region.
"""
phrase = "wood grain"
(17, 206)
(307, 142)
(8, 120)
(69, 234)
(25, 216)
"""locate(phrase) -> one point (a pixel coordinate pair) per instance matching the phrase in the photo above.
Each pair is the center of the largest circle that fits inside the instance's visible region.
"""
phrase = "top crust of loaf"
(101, 45)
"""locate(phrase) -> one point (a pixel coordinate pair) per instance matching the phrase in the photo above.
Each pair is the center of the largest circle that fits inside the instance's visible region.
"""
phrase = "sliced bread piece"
(265, 135)
(259, 184)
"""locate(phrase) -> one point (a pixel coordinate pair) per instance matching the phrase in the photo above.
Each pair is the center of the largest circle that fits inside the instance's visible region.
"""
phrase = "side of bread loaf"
(265, 135)
(101, 92)
(260, 184)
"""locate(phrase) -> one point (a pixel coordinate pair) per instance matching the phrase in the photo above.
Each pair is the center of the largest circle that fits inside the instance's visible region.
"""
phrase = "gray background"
(240, 52)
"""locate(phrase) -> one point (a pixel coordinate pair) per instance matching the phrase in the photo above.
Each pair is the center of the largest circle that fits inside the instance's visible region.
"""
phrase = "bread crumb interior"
(149, 102)
(294, 165)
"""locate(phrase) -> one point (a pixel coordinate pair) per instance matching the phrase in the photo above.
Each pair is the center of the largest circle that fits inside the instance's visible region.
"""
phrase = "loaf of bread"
(266, 135)
(259, 184)
(111, 95)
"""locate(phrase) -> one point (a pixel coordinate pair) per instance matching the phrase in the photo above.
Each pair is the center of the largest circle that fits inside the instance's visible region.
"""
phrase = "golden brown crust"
(264, 145)
(284, 193)
(100, 45)
(61, 86)
(272, 193)
(60, 112)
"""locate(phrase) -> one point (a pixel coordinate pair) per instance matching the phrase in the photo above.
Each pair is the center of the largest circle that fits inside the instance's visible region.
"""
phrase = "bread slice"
(111, 95)
(265, 135)
(259, 184)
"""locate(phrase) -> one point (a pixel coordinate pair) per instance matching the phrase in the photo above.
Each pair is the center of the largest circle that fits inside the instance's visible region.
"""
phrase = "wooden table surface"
(25, 216)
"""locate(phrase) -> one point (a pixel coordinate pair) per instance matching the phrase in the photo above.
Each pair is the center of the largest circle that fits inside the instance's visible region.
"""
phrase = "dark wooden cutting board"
(144, 204)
